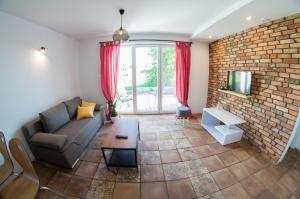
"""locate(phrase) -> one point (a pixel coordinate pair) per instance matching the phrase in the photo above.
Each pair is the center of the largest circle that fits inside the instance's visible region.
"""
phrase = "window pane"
(169, 99)
(124, 93)
(146, 79)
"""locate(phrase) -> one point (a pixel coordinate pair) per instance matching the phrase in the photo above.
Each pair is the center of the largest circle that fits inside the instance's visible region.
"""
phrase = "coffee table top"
(129, 127)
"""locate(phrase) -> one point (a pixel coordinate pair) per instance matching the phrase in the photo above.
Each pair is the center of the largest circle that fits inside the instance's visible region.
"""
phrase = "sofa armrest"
(48, 140)
(99, 107)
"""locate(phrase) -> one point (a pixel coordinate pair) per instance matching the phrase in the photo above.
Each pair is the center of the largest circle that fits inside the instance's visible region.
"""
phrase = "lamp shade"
(120, 35)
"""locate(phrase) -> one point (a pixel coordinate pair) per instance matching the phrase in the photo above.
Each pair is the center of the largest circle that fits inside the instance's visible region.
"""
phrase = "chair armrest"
(48, 140)
(99, 107)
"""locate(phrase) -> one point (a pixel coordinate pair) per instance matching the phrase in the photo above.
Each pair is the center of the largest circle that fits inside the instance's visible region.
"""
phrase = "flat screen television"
(239, 81)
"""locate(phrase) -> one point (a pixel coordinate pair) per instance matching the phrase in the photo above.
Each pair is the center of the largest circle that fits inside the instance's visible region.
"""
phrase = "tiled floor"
(176, 162)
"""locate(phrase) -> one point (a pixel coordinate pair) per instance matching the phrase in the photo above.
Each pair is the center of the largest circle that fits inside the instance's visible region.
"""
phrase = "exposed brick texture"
(272, 52)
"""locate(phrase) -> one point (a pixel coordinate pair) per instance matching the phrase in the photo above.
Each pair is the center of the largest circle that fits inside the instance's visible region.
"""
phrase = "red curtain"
(183, 55)
(109, 69)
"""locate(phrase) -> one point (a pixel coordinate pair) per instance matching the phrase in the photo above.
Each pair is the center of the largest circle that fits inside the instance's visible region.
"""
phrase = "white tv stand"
(225, 133)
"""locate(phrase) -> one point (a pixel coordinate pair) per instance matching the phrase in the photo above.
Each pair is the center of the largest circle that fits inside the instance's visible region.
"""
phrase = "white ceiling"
(196, 19)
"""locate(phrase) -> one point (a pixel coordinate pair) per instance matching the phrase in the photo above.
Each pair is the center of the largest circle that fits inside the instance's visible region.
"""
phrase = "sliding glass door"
(147, 79)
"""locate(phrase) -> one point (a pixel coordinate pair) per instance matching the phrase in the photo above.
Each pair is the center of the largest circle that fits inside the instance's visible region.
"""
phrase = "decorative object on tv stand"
(114, 113)
(121, 34)
(223, 85)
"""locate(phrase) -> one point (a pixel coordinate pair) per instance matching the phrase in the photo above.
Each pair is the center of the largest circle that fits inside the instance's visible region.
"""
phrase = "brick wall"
(272, 52)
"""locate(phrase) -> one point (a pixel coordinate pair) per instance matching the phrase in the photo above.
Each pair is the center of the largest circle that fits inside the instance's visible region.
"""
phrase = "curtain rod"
(160, 40)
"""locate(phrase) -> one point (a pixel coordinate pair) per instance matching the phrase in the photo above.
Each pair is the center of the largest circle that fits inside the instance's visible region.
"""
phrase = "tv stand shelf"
(226, 133)
(235, 94)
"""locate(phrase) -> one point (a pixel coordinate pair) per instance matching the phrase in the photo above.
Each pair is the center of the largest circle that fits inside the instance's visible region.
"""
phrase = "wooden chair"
(17, 186)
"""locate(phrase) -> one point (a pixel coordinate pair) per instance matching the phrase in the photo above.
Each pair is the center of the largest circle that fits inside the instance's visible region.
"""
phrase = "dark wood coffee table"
(124, 151)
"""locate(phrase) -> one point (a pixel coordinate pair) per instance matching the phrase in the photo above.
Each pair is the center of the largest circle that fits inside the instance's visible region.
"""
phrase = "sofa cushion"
(54, 118)
(77, 130)
(47, 140)
(72, 106)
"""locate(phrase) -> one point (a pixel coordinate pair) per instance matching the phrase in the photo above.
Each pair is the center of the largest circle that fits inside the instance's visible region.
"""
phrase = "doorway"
(146, 82)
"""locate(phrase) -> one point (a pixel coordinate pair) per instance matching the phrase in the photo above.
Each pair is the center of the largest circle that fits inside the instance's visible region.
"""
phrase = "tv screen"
(239, 81)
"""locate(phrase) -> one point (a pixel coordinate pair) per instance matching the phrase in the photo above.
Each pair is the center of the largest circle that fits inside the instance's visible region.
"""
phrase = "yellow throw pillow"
(84, 104)
(85, 112)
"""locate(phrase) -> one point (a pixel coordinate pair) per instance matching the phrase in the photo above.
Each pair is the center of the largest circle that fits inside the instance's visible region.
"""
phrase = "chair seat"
(23, 186)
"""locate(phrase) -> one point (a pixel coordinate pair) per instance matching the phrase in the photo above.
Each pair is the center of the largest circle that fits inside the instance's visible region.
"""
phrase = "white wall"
(31, 84)
(199, 76)
(90, 69)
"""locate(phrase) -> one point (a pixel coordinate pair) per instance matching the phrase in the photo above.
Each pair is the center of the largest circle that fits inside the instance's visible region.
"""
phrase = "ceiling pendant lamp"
(121, 34)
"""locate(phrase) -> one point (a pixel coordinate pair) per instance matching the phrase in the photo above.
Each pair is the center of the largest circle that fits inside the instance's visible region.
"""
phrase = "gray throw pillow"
(72, 106)
(54, 118)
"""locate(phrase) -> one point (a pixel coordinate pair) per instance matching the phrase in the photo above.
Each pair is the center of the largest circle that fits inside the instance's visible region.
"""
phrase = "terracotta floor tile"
(204, 184)
(101, 189)
(241, 154)
(196, 167)
(213, 163)
(216, 195)
(218, 148)
(92, 155)
(266, 195)
(44, 171)
(193, 133)
(151, 173)
(149, 146)
(168, 156)
(228, 158)
(188, 154)
(150, 157)
(289, 182)
(223, 178)
(204, 151)
(180, 189)
(128, 175)
(78, 187)
(175, 171)
(235, 192)
(177, 135)
(253, 164)
(280, 191)
(149, 137)
(126, 191)
(166, 145)
(239, 171)
(50, 195)
(59, 181)
(182, 143)
(87, 169)
(202, 140)
(266, 177)
(243, 162)
(253, 186)
(295, 174)
(103, 174)
(164, 136)
(154, 190)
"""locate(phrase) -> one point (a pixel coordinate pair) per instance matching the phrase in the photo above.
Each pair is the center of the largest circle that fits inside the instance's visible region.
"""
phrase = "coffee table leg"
(136, 164)
(104, 158)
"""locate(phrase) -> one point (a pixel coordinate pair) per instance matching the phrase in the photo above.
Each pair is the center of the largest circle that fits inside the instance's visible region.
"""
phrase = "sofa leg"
(75, 163)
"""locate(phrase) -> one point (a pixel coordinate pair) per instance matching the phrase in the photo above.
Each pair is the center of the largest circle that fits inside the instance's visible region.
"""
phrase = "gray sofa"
(57, 137)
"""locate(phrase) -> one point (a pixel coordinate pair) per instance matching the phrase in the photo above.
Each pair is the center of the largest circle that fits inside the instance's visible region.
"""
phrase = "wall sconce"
(42, 49)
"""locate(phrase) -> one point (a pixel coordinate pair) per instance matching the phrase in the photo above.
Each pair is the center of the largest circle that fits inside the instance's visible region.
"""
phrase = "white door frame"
(159, 78)
(291, 138)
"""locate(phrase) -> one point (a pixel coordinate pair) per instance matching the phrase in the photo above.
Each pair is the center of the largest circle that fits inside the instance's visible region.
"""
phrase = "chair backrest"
(20, 155)
(6, 164)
